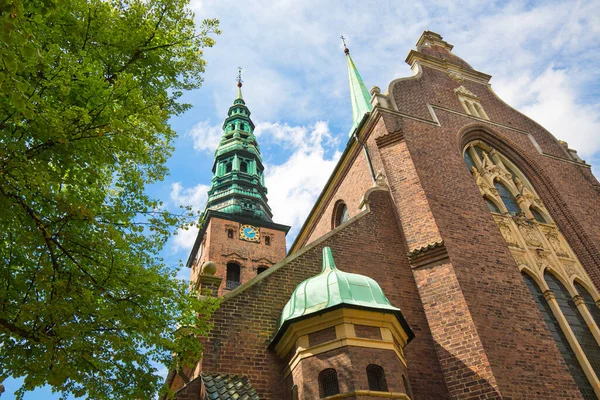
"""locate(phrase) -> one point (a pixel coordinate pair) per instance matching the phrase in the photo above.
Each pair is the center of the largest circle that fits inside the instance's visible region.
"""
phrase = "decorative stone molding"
(507, 232)
(549, 295)
(556, 243)
(429, 254)
(380, 180)
(520, 258)
(455, 76)
(390, 139)
(570, 269)
(578, 300)
(463, 91)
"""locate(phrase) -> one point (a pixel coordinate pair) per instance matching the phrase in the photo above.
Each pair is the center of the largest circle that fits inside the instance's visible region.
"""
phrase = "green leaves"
(87, 89)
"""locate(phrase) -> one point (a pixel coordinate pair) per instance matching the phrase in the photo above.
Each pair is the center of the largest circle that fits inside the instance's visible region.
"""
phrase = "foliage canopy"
(87, 88)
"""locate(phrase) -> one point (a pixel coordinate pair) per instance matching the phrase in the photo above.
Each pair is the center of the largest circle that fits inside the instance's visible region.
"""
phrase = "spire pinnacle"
(359, 95)
(239, 82)
(345, 48)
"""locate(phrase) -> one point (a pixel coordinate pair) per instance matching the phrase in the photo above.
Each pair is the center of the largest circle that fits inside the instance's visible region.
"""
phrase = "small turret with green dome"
(238, 185)
(332, 289)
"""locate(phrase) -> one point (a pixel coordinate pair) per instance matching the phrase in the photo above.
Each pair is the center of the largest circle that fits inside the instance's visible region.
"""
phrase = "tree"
(87, 89)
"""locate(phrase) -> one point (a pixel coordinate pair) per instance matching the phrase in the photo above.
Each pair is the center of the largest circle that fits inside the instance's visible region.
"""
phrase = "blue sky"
(543, 56)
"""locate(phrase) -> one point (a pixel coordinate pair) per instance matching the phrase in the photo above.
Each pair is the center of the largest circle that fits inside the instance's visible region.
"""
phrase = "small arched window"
(340, 214)
(260, 270)
(233, 276)
(328, 383)
(230, 233)
(507, 198)
(376, 378)
(244, 166)
(537, 215)
(268, 240)
(492, 206)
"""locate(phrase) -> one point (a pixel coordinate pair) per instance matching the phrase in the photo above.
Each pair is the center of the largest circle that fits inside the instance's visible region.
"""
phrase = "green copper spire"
(359, 95)
(238, 183)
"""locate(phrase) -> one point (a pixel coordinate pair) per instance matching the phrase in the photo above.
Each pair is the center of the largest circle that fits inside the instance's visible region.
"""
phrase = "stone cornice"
(428, 254)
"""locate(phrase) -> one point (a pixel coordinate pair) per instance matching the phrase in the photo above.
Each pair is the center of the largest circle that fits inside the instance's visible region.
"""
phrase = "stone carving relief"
(465, 92)
(507, 232)
(484, 187)
(570, 269)
(556, 243)
(455, 76)
(529, 232)
(520, 258)
(541, 258)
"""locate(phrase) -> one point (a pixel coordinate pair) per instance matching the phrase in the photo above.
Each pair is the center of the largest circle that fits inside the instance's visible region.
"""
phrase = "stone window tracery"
(470, 103)
(570, 311)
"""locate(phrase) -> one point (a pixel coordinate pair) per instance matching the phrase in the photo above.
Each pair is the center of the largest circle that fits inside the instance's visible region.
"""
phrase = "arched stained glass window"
(537, 215)
(561, 341)
(578, 325)
(507, 198)
(589, 302)
(376, 378)
(492, 206)
(328, 383)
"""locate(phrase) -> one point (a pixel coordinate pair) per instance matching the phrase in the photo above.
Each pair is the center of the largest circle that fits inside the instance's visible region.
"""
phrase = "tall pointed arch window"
(576, 321)
(559, 337)
(538, 247)
(589, 302)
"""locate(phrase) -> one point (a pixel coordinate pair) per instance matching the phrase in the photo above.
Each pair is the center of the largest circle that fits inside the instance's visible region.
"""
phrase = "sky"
(544, 59)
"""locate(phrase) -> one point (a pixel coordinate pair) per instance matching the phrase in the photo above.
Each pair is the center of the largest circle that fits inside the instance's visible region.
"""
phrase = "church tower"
(238, 238)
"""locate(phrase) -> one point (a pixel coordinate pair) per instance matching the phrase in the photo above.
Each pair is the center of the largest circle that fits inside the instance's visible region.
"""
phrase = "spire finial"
(344, 42)
(239, 77)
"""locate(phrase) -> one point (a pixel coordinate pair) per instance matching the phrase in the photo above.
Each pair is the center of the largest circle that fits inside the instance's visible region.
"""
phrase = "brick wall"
(371, 245)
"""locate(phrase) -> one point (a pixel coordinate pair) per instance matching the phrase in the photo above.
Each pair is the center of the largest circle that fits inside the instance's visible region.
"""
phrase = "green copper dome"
(332, 288)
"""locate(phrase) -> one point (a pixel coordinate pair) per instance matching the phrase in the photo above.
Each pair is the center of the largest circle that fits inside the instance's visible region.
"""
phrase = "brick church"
(454, 253)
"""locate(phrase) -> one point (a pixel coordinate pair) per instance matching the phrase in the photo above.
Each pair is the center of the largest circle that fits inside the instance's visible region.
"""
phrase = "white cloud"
(196, 198)
(295, 185)
(206, 136)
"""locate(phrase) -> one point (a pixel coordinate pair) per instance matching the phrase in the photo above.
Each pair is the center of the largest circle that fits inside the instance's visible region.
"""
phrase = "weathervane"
(239, 77)
(344, 41)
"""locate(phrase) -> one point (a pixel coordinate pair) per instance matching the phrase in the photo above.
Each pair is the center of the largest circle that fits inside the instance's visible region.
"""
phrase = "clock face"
(250, 233)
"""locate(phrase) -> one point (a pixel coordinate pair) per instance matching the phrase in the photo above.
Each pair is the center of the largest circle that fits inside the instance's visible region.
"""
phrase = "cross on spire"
(344, 42)
(239, 77)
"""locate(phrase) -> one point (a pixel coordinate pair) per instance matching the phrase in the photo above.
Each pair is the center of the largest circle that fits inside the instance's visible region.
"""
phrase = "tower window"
(233, 276)
(376, 378)
(244, 166)
(507, 198)
(328, 383)
(268, 240)
(340, 214)
(230, 233)
(228, 167)
(260, 270)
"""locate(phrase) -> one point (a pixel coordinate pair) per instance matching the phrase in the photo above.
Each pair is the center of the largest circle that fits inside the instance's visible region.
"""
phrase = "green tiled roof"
(228, 387)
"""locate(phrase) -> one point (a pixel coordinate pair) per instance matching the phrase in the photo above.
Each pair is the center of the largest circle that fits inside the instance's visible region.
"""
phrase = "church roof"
(228, 387)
